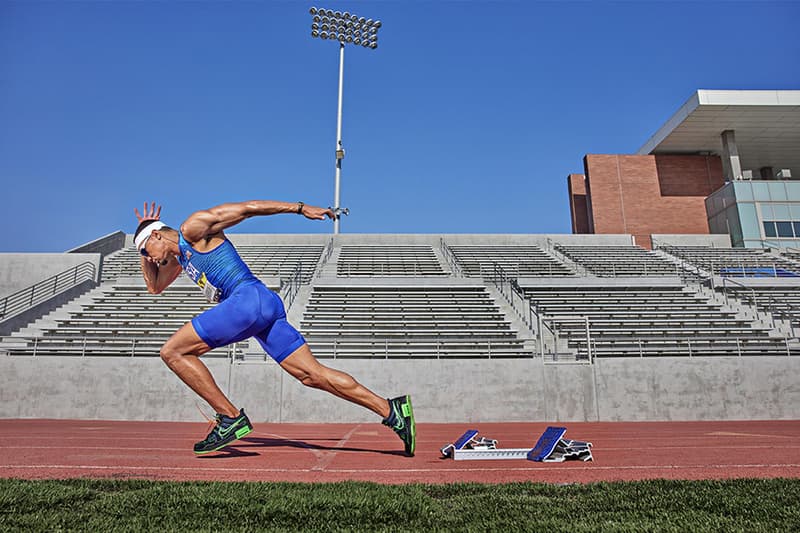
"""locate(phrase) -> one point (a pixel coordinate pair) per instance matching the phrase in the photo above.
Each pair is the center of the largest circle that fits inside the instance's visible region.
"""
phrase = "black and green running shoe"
(401, 420)
(225, 431)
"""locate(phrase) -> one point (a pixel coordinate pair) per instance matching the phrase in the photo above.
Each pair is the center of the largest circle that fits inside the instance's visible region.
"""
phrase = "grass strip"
(659, 505)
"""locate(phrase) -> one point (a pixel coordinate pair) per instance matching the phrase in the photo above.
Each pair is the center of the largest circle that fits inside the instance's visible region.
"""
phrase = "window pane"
(743, 191)
(796, 228)
(793, 190)
(760, 191)
(748, 218)
(784, 229)
(780, 212)
(777, 190)
(769, 229)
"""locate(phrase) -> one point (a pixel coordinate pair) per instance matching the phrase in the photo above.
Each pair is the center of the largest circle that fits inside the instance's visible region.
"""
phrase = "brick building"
(715, 138)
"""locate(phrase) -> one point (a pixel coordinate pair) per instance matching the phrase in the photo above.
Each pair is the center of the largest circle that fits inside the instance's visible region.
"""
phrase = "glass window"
(796, 226)
(769, 229)
(760, 191)
(743, 191)
(766, 211)
(749, 221)
(784, 229)
(777, 190)
(780, 212)
(793, 190)
(794, 209)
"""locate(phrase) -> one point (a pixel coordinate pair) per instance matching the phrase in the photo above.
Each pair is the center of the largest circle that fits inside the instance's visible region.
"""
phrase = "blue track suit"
(246, 308)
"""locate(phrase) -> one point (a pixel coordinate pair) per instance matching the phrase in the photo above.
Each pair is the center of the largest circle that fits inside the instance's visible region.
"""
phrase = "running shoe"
(401, 420)
(226, 430)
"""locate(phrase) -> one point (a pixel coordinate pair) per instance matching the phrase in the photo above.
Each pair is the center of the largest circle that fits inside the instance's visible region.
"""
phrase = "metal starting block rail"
(551, 447)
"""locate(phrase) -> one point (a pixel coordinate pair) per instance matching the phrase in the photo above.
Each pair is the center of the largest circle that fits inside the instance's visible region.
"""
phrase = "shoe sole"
(238, 434)
(413, 426)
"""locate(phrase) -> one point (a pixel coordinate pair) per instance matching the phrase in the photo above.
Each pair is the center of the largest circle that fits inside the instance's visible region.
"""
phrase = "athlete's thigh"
(186, 341)
(301, 362)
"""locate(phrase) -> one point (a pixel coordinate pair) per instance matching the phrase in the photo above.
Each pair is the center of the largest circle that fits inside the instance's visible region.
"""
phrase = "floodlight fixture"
(345, 28)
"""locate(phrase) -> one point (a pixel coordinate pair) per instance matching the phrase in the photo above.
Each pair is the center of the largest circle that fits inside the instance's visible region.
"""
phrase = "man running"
(245, 308)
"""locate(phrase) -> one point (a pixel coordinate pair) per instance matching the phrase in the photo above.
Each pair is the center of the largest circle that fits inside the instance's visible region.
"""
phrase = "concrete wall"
(19, 271)
(104, 245)
(443, 390)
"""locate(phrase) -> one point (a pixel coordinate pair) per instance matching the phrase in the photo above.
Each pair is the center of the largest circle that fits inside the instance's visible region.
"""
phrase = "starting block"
(551, 447)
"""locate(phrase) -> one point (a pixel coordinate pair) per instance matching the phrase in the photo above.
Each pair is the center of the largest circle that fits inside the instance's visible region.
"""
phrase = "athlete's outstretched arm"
(201, 224)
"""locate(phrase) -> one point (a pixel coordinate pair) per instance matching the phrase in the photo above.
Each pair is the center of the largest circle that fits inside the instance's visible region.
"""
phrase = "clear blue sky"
(466, 119)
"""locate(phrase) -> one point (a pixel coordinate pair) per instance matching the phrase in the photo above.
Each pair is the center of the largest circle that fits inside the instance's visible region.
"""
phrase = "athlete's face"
(155, 249)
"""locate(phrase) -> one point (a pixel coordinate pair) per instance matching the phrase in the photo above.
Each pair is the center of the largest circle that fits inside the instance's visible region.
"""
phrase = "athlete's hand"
(317, 213)
(153, 213)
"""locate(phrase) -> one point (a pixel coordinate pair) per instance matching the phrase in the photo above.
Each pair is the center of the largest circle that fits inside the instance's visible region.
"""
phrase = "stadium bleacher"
(613, 261)
(736, 262)
(415, 298)
(518, 261)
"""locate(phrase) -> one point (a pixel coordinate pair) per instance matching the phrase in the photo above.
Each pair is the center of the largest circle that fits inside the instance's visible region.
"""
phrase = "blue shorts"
(251, 311)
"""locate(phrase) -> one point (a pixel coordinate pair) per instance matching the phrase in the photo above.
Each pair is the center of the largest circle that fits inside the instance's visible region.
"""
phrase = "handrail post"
(588, 341)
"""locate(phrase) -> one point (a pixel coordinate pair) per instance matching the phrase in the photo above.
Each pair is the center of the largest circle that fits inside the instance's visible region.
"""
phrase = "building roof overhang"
(766, 126)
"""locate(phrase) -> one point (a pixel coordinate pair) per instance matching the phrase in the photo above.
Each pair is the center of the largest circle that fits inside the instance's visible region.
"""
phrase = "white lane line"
(328, 456)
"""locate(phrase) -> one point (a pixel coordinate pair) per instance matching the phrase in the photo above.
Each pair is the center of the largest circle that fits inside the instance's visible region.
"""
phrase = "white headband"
(140, 239)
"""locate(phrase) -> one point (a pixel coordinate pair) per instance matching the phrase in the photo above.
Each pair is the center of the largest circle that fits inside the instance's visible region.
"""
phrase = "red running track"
(57, 449)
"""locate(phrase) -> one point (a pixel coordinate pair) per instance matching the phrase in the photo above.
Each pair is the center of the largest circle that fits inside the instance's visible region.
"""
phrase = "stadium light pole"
(344, 28)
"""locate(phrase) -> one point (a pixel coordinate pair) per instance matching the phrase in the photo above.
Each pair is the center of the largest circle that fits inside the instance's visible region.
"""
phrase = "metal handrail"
(25, 299)
(499, 277)
(122, 347)
(450, 257)
(326, 255)
(293, 286)
(582, 319)
(773, 308)
(381, 346)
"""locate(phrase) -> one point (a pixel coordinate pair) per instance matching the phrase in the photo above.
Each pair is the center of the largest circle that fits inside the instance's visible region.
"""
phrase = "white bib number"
(211, 292)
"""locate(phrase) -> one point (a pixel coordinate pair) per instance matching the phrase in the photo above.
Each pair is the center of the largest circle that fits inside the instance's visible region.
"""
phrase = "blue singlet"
(247, 308)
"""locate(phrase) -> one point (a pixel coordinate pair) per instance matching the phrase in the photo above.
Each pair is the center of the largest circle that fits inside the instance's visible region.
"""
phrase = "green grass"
(132, 505)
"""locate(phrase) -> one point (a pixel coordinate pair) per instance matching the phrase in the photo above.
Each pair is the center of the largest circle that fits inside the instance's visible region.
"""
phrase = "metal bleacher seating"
(394, 298)
(408, 322)
(114, 320)
(264, 261)
(408, 260)
(613, 261)
(736, 262)
(516, 261)
(662, 319)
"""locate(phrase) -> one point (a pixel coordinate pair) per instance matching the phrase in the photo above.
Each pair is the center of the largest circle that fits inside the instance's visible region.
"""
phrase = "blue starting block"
(551, 447)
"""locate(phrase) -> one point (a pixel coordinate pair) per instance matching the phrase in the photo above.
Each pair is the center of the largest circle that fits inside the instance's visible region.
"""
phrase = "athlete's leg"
(181, 353)
(310, 372)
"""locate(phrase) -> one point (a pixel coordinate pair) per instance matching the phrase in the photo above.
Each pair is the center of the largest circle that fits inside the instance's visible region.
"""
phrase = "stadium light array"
(345, 28)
